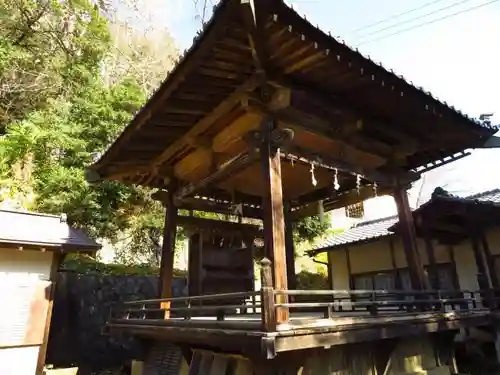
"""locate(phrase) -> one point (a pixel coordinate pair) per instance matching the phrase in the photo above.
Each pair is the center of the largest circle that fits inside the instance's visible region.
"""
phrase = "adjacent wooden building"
(32, 247)
(268, 118)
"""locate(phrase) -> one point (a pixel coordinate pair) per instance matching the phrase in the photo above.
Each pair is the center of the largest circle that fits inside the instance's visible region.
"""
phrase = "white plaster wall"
(466, 266)
(25, 264)
(19, 361)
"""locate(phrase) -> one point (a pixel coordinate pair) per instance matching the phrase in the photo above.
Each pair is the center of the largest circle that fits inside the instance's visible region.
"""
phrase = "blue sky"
(455, 58)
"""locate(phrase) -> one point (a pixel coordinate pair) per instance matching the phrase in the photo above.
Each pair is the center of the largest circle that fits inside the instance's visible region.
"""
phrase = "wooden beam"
(168, 249)
(237, 164)
(209, 197)
(274, 221)
(252, 14)
(313, 124)
(409, 238)
(332, 200)
(202, 224)
(302, 94)
(303, 154)
(353, 113)
(199, 128)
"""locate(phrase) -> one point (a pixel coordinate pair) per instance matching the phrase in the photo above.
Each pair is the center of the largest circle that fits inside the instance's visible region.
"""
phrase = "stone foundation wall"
(405, 356)
(81, 308)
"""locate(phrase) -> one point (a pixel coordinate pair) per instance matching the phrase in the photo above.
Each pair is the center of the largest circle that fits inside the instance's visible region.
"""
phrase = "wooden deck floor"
(304, 320)
(303, 331)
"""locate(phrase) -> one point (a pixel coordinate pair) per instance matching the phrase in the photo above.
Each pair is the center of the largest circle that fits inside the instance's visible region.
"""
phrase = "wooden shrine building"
(269, 118)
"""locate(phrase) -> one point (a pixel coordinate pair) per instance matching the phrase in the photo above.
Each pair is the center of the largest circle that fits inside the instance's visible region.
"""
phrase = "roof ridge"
(483, 194)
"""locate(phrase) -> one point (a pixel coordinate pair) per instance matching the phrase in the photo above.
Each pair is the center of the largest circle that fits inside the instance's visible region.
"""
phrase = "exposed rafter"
(223, 108)
(254, 21)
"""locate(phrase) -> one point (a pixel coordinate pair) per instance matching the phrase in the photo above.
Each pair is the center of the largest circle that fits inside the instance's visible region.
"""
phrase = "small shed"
(32, 246)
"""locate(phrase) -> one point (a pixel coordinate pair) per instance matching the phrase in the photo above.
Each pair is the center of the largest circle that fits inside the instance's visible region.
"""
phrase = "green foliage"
(48, 49)
(58, 109)
(310, 228)
(312, 281)
(86, 265)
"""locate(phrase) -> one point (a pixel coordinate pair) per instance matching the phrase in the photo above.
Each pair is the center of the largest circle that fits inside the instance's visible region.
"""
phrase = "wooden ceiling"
(259, 59)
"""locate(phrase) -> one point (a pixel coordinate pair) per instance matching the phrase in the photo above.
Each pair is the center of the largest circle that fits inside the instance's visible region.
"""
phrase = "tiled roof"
(364, 231)
(491, 196)
(373, 229)
(40, 230)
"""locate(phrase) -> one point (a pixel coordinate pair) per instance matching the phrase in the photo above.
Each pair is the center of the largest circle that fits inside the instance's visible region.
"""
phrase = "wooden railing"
(259, 309)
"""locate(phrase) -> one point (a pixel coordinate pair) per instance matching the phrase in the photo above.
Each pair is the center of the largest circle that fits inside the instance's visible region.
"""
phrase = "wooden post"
(451, 255)
(490, 261)
(397, 276)
(429, 248)
(290, 249)
(168, 250)
(267, 308)
(57, 259)
(274, 221)
(483, 278)
(331, 284)
(349, 270)
(409, 237)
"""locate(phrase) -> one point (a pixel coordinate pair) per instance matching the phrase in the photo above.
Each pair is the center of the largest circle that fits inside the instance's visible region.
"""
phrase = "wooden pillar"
(484, 280)
(409, 238)
(290, 249)
(397, 276)
(274, 221)
(429, 248)
(490, 261)
(168, 250)
(329, 256)
(454, 273)
(349, 271)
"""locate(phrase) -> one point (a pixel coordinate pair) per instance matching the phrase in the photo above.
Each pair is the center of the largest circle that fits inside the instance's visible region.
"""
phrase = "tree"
(70, 80)
(47, 49)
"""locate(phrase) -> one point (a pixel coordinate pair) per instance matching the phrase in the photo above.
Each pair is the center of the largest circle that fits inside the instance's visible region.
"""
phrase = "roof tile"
(28, 228)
